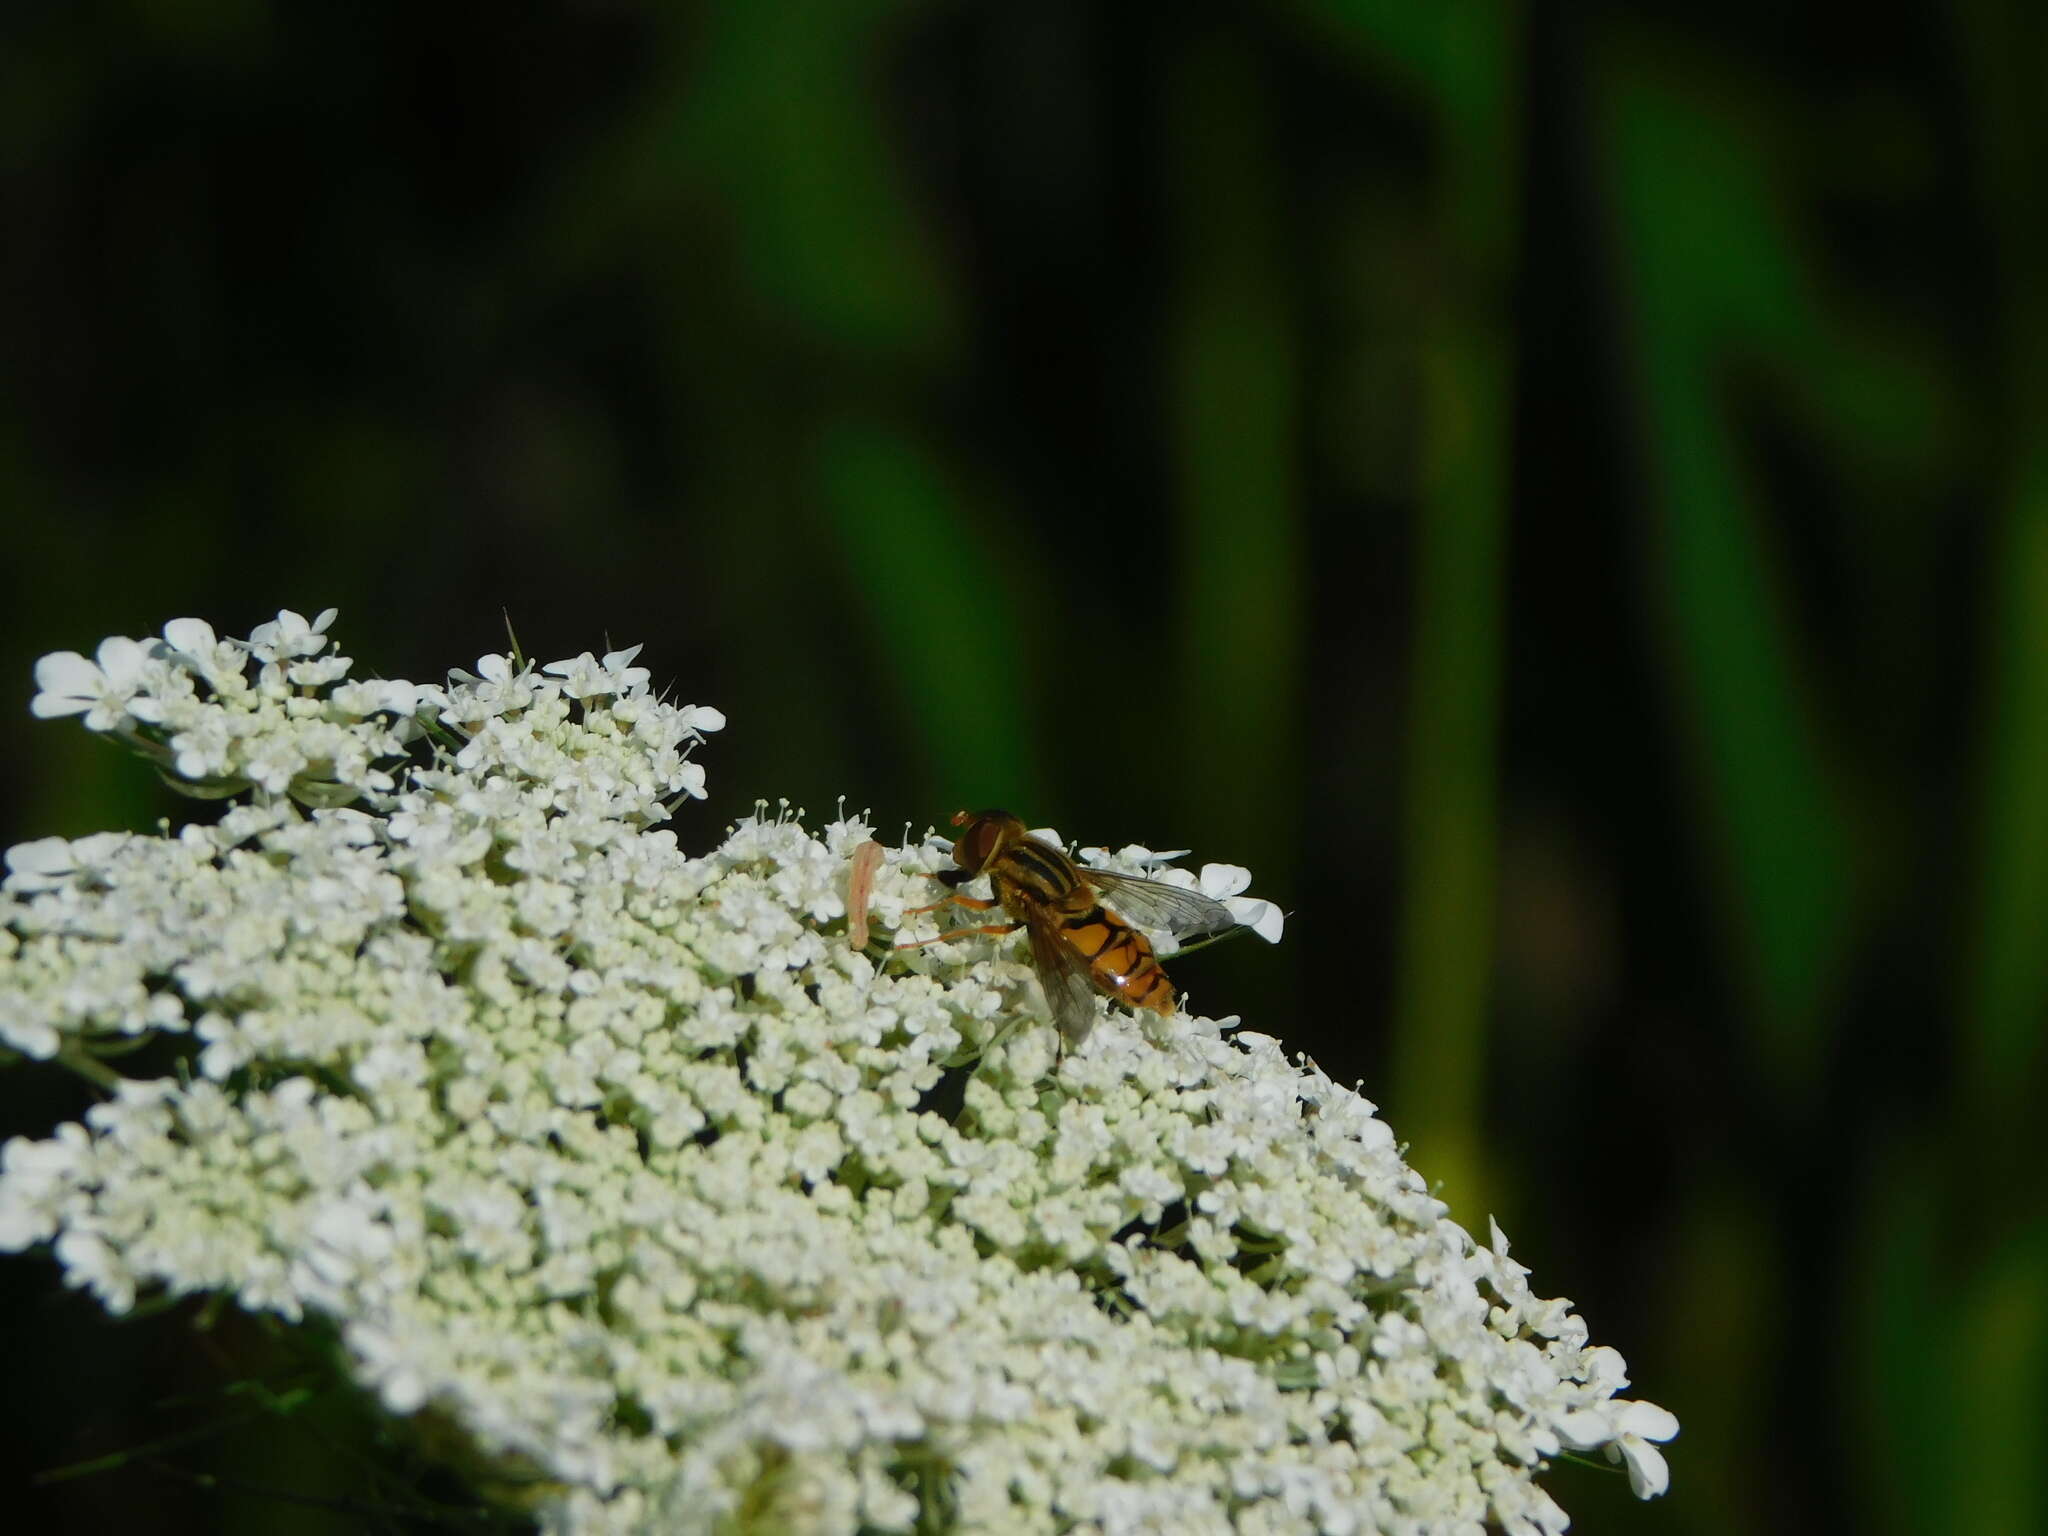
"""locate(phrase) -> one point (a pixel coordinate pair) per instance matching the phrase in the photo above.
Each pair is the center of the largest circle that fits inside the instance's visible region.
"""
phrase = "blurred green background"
(1559, 491)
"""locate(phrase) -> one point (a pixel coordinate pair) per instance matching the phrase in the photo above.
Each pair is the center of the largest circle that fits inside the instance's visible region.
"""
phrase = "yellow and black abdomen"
(1120, 959)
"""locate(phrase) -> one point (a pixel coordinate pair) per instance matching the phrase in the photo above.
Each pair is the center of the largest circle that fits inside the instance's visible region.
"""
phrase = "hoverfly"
(1078, 945)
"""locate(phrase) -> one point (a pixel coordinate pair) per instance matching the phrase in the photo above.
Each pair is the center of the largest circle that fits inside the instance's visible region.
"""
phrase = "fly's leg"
(973, 903)
(955, 933)
(980, 904)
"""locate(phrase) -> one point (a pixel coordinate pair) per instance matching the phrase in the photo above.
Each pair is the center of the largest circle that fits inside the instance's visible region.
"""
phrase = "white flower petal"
(69, 685)
(40, 865)
(1647, 1420)
(1262, 917)
(1648, 1475)
(194, 637)
(123, 661)
(1221, 880)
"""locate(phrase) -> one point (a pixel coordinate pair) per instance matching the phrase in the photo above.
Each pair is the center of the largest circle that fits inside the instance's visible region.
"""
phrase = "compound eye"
(976, 845)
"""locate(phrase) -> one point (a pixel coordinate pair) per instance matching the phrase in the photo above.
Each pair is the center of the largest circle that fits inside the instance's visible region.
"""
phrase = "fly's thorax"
(1047, 875)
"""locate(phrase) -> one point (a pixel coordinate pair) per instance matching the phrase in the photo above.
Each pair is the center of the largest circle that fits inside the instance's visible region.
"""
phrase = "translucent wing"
(1181, 912)
(1068, 992)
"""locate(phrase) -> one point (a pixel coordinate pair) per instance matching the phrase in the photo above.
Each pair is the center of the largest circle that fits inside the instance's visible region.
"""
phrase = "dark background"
(1559, 491)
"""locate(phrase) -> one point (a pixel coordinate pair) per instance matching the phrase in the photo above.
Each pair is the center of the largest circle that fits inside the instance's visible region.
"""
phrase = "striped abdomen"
(1120, 959)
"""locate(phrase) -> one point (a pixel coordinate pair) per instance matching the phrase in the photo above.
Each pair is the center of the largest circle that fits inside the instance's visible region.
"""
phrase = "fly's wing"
(1068, 992)
(1181, 912)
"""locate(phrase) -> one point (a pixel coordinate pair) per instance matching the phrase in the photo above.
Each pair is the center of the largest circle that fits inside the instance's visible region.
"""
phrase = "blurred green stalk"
(1234, 375)
(1998, 1314)
(1469, 59)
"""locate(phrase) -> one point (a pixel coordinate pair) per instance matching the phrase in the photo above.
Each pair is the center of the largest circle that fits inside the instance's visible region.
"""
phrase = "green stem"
(75, 1055)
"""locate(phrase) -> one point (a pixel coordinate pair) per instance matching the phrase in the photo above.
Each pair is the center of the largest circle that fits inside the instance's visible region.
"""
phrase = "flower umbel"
(628, 1164)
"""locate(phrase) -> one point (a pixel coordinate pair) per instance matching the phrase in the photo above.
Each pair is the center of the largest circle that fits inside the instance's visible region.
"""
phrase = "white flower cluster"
(628, 1164)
